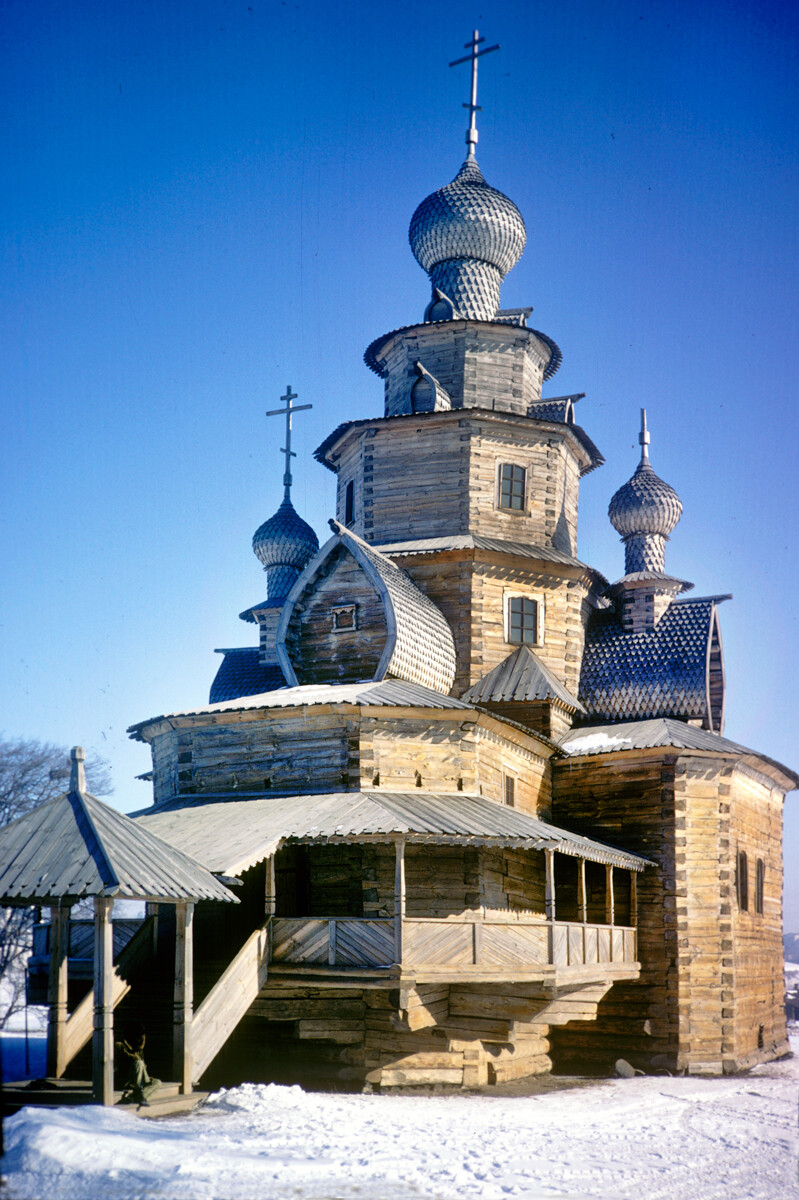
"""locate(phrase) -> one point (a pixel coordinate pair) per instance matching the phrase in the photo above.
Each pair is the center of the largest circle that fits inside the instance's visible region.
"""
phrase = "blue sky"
(206, 201)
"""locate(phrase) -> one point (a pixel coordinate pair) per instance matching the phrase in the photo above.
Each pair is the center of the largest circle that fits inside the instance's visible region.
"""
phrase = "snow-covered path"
(681, 1139)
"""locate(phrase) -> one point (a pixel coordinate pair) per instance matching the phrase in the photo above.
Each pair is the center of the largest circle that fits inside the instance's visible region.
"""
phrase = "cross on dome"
(473, 106)
(288, 411)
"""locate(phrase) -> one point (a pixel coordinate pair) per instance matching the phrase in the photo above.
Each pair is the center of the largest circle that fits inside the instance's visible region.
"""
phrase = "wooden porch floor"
(59, 1093)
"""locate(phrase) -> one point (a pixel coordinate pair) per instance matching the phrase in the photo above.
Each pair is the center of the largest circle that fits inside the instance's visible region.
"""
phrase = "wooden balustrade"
(491, 942)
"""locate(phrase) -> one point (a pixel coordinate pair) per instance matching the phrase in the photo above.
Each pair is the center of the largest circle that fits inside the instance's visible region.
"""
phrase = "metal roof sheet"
(230, 835)
(75, 845)
(476, 541)
(521, 676)
(386, 693)
(660, 731)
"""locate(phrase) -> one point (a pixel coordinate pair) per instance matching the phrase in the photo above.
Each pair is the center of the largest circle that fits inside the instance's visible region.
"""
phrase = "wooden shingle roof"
(661, 672)
(241, 673)
(75, 846)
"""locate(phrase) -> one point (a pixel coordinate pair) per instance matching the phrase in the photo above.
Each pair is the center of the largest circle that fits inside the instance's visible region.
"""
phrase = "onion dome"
(645, 511)
(284, 545)
(467, 236)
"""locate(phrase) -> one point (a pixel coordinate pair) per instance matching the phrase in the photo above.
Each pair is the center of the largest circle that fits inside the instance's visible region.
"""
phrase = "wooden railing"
(228, 1000)
(490, 942)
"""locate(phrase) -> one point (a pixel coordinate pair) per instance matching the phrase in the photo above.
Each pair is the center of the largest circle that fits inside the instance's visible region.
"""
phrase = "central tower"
(471, 479)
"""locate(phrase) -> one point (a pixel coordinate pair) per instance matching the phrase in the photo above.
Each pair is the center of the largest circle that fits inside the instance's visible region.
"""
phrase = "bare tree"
(31, 772)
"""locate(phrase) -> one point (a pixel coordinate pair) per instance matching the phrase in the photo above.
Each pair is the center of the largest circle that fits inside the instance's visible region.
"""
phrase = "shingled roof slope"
(519, 677)
(658, 673)
(241, 673)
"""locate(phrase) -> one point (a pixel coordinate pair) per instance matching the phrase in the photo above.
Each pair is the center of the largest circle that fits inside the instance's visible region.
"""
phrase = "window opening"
(344, 618)
(349, 503)
(523, 620)
(511, 486)
(760, 879)
(510, 791)
(743, 881)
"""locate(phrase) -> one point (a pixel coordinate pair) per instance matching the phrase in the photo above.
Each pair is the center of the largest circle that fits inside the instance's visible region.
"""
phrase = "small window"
(743, 881)
(760, 880)
(344, 618)
(349, 504)
(522, 621)
(510, 791)
(512, 486)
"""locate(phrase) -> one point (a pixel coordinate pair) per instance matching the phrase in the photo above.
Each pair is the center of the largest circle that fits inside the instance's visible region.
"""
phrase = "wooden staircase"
(229, 999)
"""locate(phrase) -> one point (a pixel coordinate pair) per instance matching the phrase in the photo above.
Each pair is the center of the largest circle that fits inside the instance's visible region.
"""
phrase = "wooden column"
(549, 857)
(634, 899)
(609, 901)
(270, 894)
(57, 991)
(582, 895)
(183, 994)
(103, 1037)
(399, 897)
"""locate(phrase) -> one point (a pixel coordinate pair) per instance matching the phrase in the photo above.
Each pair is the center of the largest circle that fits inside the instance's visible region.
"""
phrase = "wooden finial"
(77, 779)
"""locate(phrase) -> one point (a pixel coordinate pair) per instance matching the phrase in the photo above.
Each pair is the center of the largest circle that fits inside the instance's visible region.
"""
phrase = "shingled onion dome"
(284, 544)
(467, 236)
(645, 511)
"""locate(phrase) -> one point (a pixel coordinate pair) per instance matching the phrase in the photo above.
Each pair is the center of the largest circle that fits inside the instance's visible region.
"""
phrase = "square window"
(523, 621)
(512, 486)
(344, 618)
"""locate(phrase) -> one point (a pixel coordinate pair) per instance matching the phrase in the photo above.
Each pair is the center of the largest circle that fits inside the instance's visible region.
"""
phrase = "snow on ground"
(647, 1138)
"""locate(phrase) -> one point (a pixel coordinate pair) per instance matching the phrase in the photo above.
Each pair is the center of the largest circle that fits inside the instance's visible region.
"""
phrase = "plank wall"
(243, 751)
(318, 652)
(628, 801)
(477, 364)
(756, 828)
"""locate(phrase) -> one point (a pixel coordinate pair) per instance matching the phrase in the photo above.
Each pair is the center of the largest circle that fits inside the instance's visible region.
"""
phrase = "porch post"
(582, 897)
(269, 890)
(103, 1036)
(549, 857)
(399, 896)
(609, 898)
(634, 909)
(184, 994)
(57, 990)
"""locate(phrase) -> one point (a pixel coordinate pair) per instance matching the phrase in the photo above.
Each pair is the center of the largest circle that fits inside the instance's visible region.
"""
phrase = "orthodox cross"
(643, 438)
(473, 106)
(287, 450)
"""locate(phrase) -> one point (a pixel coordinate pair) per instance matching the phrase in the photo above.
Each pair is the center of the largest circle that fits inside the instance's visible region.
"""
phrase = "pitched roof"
(383, 693)
(521, 676)
(419, 644)
(662, 731)
(477, 541)
(74, 846)
(658, 673)
(241, 673)
(231, 835)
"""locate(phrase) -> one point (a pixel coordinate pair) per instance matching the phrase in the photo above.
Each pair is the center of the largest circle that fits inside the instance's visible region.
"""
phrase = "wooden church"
(475, 800)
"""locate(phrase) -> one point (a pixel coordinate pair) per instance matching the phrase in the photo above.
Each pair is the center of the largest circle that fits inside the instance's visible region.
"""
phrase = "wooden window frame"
(510, 596)
(510, 508)
(337, 614)
(509, 790)
(349, 503)
(760, 886)
(742, 880)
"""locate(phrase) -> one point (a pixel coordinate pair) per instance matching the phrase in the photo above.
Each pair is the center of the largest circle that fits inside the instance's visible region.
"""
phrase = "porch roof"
(228, 834)
(75, 845)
